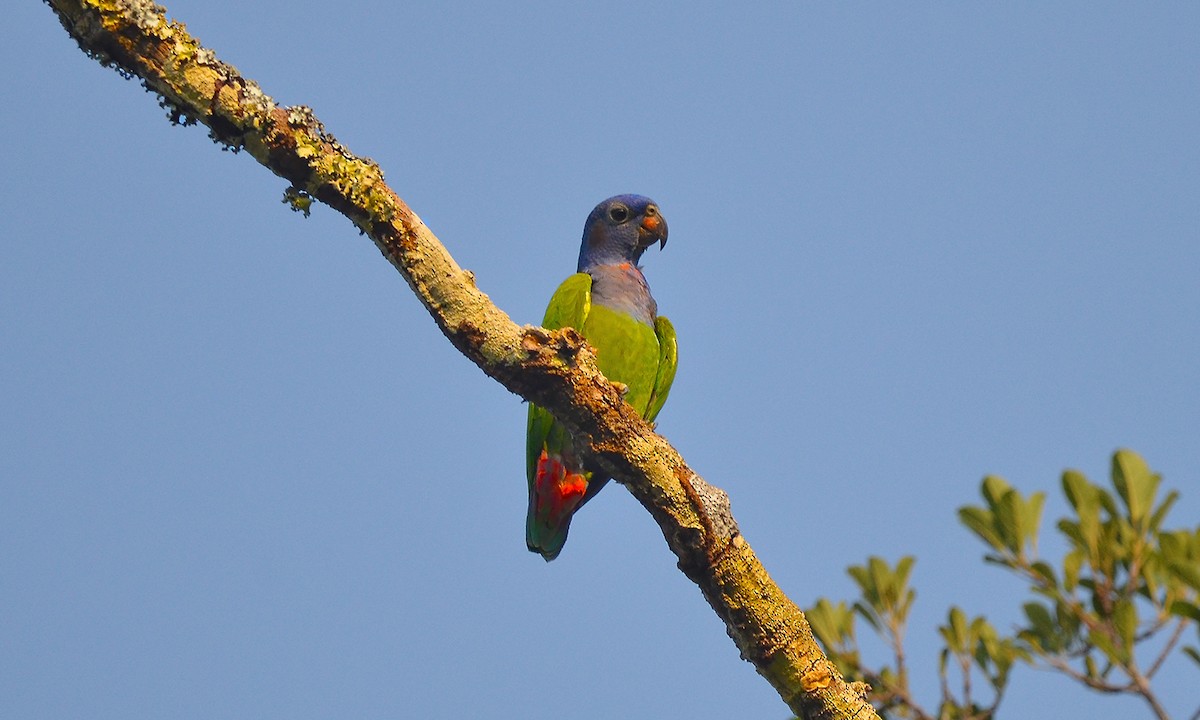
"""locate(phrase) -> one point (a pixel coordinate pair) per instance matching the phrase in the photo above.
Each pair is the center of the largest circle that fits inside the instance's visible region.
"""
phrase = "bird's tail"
(554, 496)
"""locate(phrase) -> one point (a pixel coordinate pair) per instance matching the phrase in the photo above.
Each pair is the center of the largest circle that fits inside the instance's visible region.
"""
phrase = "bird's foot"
(622, 388)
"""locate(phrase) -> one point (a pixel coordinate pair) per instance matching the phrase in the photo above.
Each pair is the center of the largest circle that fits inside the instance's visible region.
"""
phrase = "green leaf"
(1031, 518)
(1089, 531)
(1068, 622)
(1188, 572)
(902, 611)
(1192, 653)
(1039, 619)
(1073, 533)
(904, 569)
(1135, 483)
(1152, 574)
(1033, 641)
(994, 488)
(863, 579)
(998, 560)
(1106, 501)
(1076, 487)
(1045, 572)
(1174, 545)
(832, 624)
(883, 589)
(981, 522)
(1086, 499)
(1008, 521)
(1165, 507)
(958, 628)
(867, 614)
(981, 634)
(903, 572)
(884, 582)
(1185, 608)
(1125, 621)
(887, 678)
(983, 630)
(1105, 645)
(822, 627)
(1071, 564)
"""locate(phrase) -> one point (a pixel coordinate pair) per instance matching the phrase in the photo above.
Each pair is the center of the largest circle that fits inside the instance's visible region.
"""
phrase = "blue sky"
(243, 475)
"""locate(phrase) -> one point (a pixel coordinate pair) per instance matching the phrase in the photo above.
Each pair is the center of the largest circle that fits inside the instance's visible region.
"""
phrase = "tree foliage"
(1107, 614)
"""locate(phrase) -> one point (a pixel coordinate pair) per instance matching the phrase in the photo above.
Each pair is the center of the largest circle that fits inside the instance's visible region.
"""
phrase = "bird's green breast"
(626, 350)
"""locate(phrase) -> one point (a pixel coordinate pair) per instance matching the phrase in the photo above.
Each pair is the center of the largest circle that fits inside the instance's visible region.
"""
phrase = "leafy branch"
(1123, 580)
(1109, 616)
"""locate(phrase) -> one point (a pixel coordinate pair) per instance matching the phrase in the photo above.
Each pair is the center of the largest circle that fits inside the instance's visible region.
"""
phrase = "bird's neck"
(623, 287)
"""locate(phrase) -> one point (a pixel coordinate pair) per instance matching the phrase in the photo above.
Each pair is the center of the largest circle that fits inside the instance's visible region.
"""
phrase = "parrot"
(607, 300)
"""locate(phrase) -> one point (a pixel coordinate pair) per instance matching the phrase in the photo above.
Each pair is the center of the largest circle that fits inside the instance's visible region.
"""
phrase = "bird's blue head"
(619, 230)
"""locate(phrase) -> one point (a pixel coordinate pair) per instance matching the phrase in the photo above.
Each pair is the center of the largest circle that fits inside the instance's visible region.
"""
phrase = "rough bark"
(554, 369)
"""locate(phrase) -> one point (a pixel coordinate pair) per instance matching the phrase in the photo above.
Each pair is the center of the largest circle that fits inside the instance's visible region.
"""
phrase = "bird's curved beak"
(653, 228)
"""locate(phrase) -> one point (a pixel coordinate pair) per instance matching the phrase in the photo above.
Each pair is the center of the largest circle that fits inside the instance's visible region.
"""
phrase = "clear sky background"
(242, 475)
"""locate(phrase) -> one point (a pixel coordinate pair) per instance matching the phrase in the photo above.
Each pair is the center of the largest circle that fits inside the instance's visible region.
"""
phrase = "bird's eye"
(651, 211)
(618, 213)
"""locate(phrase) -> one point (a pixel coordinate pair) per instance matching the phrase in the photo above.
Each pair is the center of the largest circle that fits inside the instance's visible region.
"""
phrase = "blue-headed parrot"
(609, 302)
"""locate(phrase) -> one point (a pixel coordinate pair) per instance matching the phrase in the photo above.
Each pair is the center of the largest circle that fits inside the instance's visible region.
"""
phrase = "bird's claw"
(622, 388)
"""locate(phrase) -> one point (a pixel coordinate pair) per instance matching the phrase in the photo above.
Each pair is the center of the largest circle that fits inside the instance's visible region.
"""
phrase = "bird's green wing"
(570, 303)
(668, 360)
(569, 307)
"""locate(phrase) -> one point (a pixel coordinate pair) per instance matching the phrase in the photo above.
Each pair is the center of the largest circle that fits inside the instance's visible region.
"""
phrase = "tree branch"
(554, 369)
(1175, 635)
